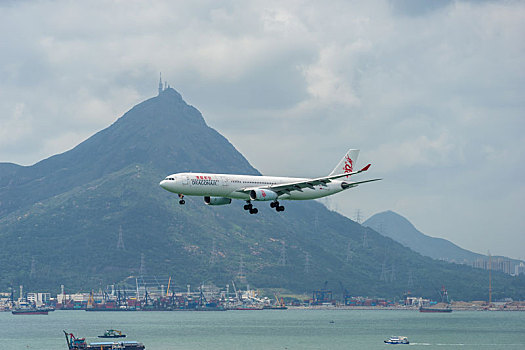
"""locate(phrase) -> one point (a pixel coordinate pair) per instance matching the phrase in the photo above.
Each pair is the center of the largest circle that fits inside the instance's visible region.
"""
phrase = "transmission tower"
(349, 251)
(213, 256)
(241, 275)
(306, 262)
(120, 242)
(358, 216)
(282, 258)
(410, 283)
(392, 273)
(142, 269)
(33, 268)
(384, 272)
(365, 240)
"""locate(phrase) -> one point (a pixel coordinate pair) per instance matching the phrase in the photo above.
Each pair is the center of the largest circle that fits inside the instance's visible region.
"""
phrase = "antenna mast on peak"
(160, 83)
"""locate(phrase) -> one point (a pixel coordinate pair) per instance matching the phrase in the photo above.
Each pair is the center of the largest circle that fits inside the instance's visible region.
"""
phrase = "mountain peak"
(171, 93)
(400, 229)
(160, 111)
(391, 217)
(163, 134)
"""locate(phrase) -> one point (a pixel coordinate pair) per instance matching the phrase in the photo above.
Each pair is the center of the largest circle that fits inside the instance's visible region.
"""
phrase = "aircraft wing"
(286, 188)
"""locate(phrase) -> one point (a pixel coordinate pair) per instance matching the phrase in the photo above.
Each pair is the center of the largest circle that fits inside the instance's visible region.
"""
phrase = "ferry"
(397, 340)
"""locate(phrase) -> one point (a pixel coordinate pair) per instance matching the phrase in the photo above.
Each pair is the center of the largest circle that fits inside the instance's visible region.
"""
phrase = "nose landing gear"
(276, 206)
(249, 206)
(182, 201)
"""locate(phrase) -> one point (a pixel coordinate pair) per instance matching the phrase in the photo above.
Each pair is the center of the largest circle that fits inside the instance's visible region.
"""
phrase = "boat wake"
(463, 344)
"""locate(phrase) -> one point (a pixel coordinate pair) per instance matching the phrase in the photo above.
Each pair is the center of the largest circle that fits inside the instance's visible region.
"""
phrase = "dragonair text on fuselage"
(220, 189)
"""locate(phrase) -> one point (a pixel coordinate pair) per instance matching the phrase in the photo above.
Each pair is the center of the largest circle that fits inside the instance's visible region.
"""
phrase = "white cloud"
(432, 94)
(16, 127)
(417, 151)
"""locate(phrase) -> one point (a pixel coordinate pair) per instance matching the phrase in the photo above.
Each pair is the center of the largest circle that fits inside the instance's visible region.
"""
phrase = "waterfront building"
(38, 299)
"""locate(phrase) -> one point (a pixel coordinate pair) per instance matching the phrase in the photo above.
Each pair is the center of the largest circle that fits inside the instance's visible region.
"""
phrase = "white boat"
(397, 340)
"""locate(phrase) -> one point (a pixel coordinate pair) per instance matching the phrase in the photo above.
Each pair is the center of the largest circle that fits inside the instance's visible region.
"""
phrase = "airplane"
(220, 189)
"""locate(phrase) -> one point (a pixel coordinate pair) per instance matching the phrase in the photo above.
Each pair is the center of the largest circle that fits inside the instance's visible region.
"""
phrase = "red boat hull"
(14, 312)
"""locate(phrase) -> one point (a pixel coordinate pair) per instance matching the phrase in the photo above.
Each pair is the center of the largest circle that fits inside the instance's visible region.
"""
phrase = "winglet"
(365, 168)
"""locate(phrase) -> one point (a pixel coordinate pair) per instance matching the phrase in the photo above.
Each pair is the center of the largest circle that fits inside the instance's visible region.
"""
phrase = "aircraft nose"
(163, 184)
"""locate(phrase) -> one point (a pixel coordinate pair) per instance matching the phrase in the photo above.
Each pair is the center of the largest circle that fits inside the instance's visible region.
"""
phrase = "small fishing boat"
(397, 340)
(112, 333)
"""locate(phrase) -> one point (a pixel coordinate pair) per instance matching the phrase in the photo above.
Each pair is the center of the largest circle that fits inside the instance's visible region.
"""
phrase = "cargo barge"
(74, 343)
(434, 309)
(31, 311)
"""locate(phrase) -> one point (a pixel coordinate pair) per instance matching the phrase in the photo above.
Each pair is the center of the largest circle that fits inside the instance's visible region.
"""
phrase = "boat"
(443, 306)
(75, 343)
(397, 340)
(434, 309)
(30, 311)
(275, 307)
(247, 308)
(112, 333)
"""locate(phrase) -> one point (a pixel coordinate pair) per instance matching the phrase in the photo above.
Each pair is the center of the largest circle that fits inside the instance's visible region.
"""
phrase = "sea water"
(271, 329)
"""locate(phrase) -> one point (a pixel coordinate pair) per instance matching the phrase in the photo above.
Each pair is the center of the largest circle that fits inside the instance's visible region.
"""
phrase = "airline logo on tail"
(349, 165)
(346, 165)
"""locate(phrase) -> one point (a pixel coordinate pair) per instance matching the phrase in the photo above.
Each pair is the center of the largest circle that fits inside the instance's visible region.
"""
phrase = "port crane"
(237, 296)
(345, 295)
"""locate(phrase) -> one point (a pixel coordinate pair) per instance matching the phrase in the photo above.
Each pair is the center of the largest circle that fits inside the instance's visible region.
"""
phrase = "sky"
(431, 92)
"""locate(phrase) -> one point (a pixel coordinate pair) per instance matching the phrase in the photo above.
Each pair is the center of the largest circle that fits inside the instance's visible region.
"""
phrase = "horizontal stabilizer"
(355, 184)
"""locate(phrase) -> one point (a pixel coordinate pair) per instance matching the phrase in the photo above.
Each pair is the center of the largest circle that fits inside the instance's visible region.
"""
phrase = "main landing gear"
(182, 201)
(249, 206)
(276, 206)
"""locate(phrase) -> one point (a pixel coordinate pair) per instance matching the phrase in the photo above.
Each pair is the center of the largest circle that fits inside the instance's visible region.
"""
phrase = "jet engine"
(346, 185)
(262, 195)
(217, 200)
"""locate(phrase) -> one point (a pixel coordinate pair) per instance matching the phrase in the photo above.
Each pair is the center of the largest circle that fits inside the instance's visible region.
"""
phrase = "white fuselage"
(229, 186)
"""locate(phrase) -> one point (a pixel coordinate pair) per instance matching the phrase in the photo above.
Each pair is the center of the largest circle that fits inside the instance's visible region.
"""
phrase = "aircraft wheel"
(280, 208)
(274, 204)
(182, 202)
(254, 211)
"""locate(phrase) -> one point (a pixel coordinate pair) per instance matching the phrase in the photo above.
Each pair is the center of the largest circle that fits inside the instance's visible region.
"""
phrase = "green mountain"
(60, 221)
